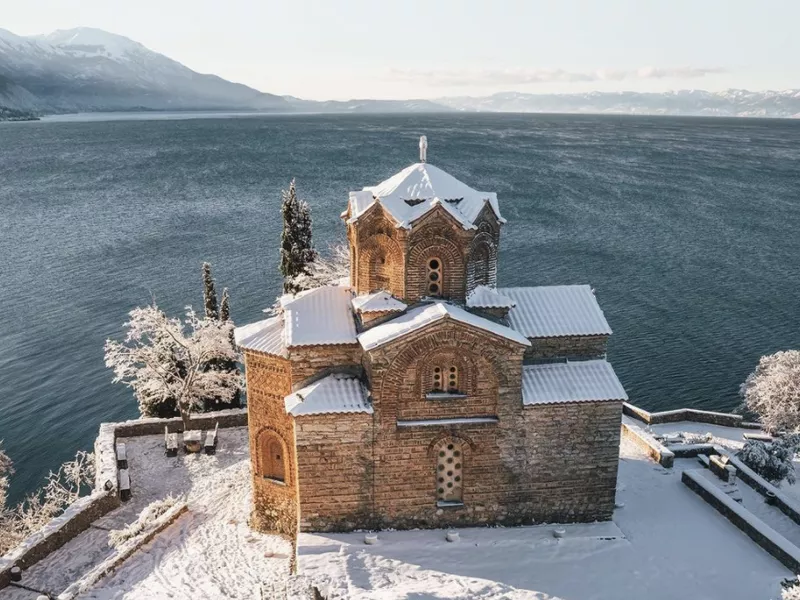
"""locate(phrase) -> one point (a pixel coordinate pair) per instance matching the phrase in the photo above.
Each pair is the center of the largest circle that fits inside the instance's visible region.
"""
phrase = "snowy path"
(666, 543)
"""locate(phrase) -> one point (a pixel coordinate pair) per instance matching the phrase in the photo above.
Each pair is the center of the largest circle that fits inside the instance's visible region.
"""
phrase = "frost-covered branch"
(331, 269)
(166, 360)
(146, 519)
(772, 460)
(61, 489)
(772, 391)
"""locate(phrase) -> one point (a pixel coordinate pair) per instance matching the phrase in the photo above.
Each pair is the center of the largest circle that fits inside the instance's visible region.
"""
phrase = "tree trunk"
(185, 417)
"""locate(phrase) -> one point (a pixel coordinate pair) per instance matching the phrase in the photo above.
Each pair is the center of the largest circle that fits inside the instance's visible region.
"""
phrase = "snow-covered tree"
(62, 489)
(164, 358)
(329, 269)
(225, 306)
(772, 391)
(209, 293)
(791, 589)
(772, 460)
(6, 470)
(297, 249)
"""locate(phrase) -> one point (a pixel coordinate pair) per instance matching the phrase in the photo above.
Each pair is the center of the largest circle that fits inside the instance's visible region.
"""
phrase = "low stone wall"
(687, 414)
(122, 554)
(761, 533)
(654, 449)
(75, 519)
(236, 417)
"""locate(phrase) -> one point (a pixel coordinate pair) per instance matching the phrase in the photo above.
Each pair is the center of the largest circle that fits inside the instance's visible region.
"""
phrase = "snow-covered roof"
(484, 296)
(318, 317)
(581, 381)
(427, 314)
(263, 336)
(378, 302)
(424, 186)
(553, 311)
(337, 393)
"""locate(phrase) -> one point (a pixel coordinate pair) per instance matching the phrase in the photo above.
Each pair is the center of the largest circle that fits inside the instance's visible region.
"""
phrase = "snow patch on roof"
(425, 315)
(262, 336)
(426, 186)
(553, 311)
(484, 296)
(581, 381)
(335, 393)
(320, 316)
(378, 302)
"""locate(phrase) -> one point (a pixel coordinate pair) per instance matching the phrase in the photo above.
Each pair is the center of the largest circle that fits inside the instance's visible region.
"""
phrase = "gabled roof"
(337, 393)
(320, 316)
(581, 381)
(424, 186)
(553, 311)
(262, 336)
(425, 315)
(484, 296)
(378, 302)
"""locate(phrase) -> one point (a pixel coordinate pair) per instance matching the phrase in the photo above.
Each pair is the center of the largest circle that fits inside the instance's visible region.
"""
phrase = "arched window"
(434, 278)
(273, 460)
(449, 471)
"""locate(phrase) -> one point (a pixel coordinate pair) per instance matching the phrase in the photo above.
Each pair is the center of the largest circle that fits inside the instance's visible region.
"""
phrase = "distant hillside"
(91, 70)
(730, 103)
(365, 106)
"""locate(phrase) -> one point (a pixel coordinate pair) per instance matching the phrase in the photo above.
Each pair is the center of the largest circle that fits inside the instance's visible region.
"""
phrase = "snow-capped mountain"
(88, 69)
(728, 103)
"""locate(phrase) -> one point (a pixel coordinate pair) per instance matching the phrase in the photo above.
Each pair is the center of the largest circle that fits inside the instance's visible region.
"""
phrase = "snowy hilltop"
(88, 69)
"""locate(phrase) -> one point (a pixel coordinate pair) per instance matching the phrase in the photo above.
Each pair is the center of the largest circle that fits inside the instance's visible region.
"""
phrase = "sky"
(342, 49)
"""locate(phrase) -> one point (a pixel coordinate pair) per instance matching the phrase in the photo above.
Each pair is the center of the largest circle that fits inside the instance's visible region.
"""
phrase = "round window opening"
(433, 289)
(433, 264)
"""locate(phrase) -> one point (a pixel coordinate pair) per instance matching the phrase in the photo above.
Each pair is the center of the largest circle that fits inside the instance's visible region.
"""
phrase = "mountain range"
(85, 69)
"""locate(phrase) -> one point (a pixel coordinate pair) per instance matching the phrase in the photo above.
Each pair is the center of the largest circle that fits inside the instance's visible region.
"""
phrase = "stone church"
(420, 394)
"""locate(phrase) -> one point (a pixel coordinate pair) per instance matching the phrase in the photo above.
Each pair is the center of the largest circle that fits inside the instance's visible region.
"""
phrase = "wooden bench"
(170, 443)
(122, 456)
(211, 441)
(124, 485)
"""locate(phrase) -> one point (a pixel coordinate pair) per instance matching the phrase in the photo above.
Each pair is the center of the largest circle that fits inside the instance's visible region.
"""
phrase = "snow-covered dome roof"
(415, 190)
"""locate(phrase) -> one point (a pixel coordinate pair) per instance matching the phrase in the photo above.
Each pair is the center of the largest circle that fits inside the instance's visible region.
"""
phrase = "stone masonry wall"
(377, 253)
(312, 361)
(590, 346)
(275, 507)
(334, 464)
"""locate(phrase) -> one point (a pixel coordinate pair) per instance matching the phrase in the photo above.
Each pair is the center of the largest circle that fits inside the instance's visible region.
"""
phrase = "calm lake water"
(689, 229)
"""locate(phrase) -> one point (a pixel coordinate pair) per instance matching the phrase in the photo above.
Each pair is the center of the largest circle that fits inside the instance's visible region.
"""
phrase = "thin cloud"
(506, 77)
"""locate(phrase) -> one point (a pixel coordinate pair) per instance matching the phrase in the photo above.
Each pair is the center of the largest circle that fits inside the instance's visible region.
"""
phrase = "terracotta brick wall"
(483, 251)
(268, 381)
(591, 346)
(377, 253)
(334, 460)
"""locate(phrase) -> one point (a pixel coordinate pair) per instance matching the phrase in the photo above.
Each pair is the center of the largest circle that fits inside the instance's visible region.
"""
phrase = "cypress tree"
(225, 306)
(209, 293)
(297, 249)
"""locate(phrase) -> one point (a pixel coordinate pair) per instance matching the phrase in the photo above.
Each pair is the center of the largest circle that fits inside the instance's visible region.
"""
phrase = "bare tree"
(772, 391)
(330, 269)
(61, 489)
(164, 357)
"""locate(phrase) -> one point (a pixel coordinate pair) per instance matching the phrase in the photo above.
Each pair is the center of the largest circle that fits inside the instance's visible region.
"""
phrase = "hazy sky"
(424, 49)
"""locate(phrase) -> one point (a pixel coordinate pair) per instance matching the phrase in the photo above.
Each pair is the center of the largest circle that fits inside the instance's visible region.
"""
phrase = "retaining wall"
(761, 533)
(687, 414)
(654, 449)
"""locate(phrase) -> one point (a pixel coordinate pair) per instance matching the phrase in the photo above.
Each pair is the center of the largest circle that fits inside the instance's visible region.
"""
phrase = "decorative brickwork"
(377, 253)
(274, 502)
(590, 346)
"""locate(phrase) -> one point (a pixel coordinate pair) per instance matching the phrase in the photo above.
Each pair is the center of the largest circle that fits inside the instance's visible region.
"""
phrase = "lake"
(688, 229)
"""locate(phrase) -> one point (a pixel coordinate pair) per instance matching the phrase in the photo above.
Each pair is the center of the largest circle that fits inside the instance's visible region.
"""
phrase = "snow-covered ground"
(664, 543)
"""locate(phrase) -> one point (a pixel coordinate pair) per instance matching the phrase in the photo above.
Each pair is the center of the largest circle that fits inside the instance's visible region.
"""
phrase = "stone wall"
(377, 253)
(312, 361)
(334, 466)
(591, 346)
(269, 380)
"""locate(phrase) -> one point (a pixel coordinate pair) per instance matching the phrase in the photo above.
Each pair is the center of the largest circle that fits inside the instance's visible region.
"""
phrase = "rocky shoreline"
(12, 114)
